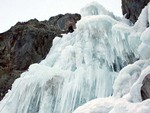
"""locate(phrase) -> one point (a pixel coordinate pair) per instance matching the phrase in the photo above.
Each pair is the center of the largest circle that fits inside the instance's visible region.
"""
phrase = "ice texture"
(96, 61)
(127, 86)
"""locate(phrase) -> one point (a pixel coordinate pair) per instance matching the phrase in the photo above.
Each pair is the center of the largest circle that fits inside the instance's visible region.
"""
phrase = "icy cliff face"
(80, 67)
(127, 86)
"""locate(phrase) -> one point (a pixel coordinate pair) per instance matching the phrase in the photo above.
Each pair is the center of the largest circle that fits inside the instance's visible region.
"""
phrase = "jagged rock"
(29, 42)
(132, 8)
(145, 89)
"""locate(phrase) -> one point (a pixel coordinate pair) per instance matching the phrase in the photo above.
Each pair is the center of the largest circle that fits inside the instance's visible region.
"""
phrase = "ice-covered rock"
(131, 86)
(83, 66)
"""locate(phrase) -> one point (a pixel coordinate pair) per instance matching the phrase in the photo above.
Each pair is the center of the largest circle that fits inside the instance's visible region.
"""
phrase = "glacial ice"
(96, 61)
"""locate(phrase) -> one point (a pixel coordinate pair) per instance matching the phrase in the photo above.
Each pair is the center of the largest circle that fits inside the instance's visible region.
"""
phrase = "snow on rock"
(142, 22)
(135, 91)
(141, 26)
(127, 76)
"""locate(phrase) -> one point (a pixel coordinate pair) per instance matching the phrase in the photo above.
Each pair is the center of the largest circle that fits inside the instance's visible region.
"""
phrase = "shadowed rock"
(145, 89)
(132, 8)
(29, 42)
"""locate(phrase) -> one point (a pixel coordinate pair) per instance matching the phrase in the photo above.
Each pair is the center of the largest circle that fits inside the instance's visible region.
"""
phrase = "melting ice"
(83, 66)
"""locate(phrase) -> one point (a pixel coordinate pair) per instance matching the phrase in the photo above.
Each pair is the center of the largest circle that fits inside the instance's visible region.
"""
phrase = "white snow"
(97, 60)
(145, 45)
(114, 105)
(127, 85)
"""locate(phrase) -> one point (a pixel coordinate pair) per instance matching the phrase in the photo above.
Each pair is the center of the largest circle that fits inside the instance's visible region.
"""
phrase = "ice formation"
(95, 61)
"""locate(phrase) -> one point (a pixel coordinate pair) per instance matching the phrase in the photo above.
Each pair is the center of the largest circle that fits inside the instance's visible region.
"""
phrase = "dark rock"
(29, 42)
(145, 89)
(132, 8)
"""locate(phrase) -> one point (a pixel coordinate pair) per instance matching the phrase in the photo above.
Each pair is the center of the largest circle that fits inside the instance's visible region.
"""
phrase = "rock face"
(132, 8)
(29, 42)
(145, 89)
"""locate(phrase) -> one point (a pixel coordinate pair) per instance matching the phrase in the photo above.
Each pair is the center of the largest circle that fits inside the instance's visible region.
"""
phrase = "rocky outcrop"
(145, 89)
(29, 42)
(132, 8)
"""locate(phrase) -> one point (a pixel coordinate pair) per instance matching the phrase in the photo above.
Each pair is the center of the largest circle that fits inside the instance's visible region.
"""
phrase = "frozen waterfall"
(79, 67)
